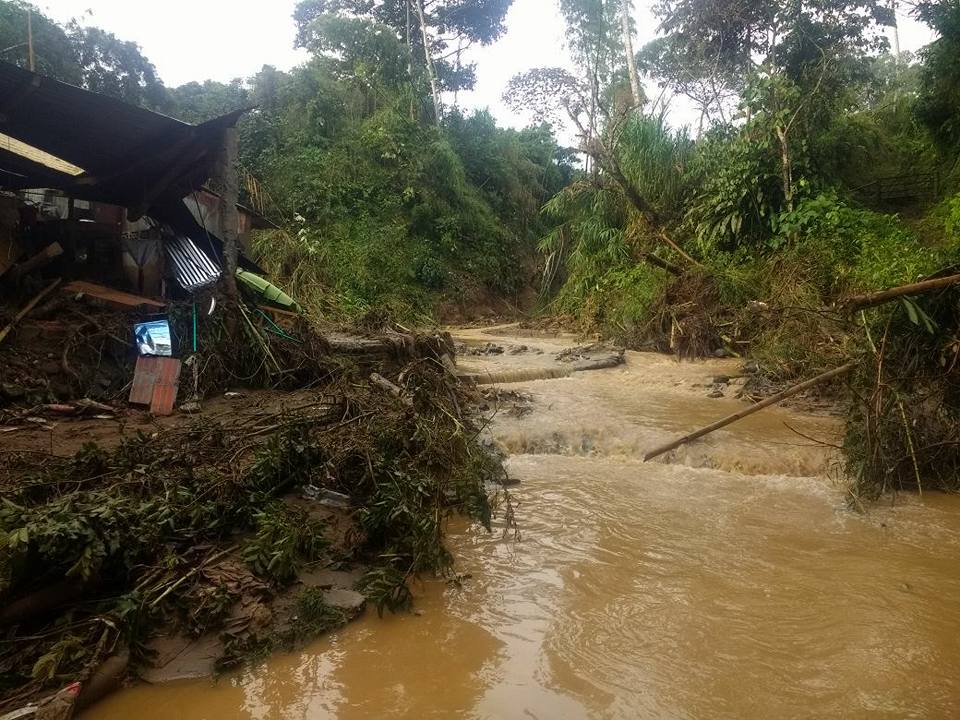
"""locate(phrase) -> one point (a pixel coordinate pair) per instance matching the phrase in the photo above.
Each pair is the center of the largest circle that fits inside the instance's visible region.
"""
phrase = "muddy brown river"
(726, 580)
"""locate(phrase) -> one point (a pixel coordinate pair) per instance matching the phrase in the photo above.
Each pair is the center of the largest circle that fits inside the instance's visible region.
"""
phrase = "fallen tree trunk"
(40, 603)
(772, 400)
(515, 376)
(860, 302)
(601, 364)
(107, 678)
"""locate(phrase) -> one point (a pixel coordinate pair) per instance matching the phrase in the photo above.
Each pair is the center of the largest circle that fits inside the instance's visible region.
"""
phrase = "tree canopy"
(451, 27)
(86, 56)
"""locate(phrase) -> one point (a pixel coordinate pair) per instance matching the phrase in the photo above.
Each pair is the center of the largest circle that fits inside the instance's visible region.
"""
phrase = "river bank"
(637, 589)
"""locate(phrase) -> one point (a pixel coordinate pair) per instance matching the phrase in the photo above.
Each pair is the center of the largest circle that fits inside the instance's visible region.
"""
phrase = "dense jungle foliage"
(823, 166)
(823, 163)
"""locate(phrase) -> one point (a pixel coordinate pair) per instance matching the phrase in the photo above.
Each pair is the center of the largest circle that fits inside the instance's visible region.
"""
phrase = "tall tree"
(431, 73)
(115, 67)
(436, 33)
(740, 35)
(938, 105)
(593, 38)
(54, 52)
(691, 71)
(626, 31)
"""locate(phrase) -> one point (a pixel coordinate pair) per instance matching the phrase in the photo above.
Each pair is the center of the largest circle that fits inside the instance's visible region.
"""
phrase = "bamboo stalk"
(739, 415)
(858, 302)
(679, 250)
(29, 306)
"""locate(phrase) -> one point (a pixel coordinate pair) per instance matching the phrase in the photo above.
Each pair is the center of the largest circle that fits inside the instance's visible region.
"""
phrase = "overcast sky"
(223, 39)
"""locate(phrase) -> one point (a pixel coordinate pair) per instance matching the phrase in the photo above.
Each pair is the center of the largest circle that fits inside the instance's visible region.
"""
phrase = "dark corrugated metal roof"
(130, 154)
(93, 131)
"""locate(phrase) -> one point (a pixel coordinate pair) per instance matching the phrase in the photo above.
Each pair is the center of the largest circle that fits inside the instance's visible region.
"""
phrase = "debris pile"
(203, 528)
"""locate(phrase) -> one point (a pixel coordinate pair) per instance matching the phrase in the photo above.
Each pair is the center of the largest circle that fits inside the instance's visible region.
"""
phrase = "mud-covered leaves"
(285, 537)
(314, 615)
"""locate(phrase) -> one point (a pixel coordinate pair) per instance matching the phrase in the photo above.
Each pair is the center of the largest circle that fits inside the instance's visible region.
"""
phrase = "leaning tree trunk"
(786, 167)
(434, 89)
(635, 88)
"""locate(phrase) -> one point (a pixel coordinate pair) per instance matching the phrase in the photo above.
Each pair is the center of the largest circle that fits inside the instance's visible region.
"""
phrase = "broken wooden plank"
(111, 296)
(772, 400)
(165, 390)
(144, 379)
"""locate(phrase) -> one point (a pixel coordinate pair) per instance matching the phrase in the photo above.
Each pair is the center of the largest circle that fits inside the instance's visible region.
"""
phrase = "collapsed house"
(117, 203)
(109, 193)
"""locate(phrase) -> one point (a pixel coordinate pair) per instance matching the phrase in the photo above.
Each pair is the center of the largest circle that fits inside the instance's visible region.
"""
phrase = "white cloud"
(189, 40)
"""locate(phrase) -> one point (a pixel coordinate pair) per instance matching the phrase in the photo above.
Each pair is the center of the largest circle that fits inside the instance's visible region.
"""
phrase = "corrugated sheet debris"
(192, 268)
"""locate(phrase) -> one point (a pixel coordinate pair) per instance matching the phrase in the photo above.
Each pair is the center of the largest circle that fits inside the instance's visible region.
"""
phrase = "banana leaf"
(268, 291)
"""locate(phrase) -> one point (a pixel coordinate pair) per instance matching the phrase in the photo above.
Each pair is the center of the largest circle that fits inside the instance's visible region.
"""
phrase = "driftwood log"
(399, 347)
(27, 308)
(772, 400)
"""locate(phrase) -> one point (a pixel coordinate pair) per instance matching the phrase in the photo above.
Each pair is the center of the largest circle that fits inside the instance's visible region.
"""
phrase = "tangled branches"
(904, 425)
(175, 527)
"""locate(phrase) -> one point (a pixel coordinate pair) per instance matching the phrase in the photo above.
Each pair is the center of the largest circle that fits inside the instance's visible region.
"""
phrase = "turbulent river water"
(727, 580)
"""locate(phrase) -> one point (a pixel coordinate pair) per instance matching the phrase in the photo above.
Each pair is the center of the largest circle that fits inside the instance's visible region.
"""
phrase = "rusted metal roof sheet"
(192, 268)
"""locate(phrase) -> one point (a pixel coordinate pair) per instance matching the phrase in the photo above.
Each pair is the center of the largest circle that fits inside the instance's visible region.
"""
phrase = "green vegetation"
(820, 167)
(744, 239)
(314, 615)
(389, 203)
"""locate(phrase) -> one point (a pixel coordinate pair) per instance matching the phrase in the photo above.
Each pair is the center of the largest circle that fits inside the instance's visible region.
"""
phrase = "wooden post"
(227, 182)
(30, 55)
(772, 400)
